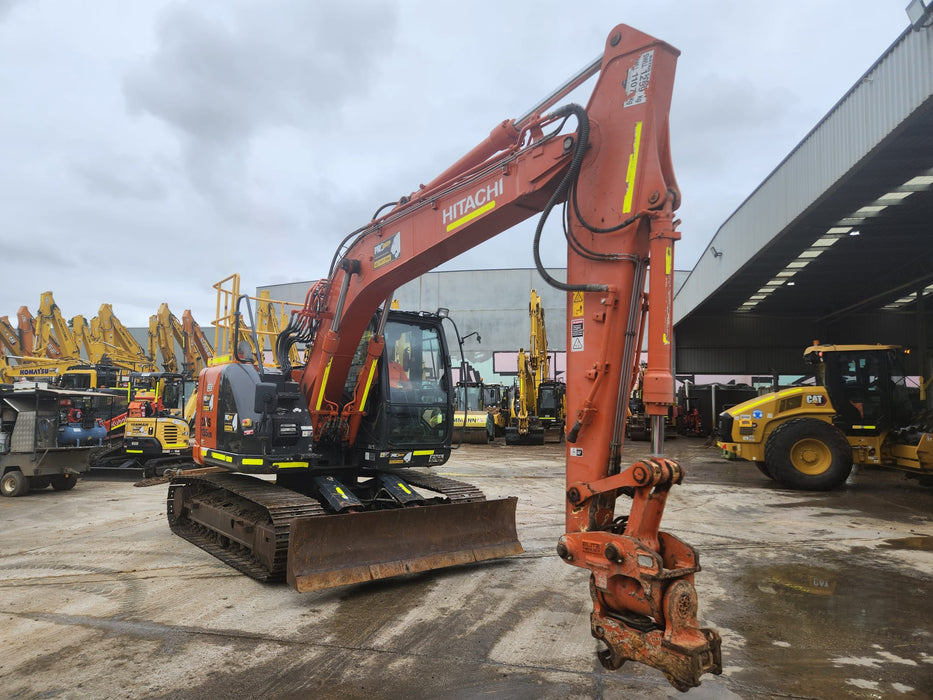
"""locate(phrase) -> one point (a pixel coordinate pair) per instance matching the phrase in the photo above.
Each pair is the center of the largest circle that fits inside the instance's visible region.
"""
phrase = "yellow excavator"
(165, 330)
(10, 341)
(859, 411)
(539, 404)
(122, 346)
(50, 351)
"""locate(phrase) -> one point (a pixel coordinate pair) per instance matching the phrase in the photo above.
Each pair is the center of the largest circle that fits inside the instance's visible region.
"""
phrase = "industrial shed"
(836, 244)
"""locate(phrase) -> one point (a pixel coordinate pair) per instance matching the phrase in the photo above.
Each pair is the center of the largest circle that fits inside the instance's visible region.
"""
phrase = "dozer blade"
(336, 550)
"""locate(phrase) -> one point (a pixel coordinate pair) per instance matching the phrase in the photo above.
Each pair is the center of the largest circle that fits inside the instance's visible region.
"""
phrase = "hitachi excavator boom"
(350, 436)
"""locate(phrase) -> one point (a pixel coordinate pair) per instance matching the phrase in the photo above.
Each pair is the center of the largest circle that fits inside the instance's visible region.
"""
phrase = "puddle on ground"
(839, 620)
(920, 543)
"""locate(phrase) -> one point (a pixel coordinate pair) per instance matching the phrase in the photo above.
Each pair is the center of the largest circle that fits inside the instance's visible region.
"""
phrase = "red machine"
(318, 428)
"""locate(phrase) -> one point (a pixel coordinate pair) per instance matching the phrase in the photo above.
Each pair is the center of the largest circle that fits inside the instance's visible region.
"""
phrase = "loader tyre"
(14, 483)
(64, 482)
(808, 454)
(37, 483)
(763, 468)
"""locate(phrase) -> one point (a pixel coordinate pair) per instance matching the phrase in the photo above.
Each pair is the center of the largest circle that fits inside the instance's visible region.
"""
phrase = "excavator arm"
(26, 325)
(198, 351)
(53, 337)
(123, 348)
(164, 331)
(93, 346)
(9, 338)
(614, 176)
(538, 340)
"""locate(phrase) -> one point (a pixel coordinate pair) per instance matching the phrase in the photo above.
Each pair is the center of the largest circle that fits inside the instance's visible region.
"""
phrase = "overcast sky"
(149, 148)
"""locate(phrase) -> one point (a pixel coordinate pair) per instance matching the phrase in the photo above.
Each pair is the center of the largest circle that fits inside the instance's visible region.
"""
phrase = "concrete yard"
(816, 595)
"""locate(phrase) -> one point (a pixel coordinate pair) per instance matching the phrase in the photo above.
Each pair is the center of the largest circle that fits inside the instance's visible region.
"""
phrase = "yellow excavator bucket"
(336, 550)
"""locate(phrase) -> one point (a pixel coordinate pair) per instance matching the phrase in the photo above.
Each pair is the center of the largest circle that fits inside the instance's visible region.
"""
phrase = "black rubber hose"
(559, 194)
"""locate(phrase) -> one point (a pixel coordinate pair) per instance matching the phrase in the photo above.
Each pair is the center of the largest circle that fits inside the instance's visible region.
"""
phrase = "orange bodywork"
(616, 176)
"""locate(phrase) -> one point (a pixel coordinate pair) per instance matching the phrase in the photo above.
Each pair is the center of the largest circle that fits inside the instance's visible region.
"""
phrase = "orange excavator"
(351, 442)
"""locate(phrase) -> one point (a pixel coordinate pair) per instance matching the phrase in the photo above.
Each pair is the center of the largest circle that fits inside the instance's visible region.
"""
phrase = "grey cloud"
(720, 113)
(119, 176)
(6, 6)
(220, 80)
(23, 251)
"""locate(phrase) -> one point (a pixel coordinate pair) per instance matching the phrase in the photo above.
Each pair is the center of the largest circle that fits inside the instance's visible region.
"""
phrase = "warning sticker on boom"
(387, 251)
(578, 303)
(576, 334)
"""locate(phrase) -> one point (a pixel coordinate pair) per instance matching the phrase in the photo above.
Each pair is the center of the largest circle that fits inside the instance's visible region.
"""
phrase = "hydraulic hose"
(560, 194)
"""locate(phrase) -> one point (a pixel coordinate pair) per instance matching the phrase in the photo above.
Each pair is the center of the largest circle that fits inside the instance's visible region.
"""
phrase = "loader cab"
(495, 396)
(408, 414)
(866, 385)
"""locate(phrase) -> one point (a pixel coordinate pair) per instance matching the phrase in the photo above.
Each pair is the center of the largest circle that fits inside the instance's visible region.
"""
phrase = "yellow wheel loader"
(860, 411)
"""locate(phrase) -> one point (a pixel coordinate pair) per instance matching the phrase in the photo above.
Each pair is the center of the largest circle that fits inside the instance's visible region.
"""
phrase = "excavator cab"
(153, 393)
(551, 408)
(96, 377)
(408, 412)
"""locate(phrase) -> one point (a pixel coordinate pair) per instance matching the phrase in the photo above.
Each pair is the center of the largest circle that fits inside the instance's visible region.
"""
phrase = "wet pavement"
(815, 595)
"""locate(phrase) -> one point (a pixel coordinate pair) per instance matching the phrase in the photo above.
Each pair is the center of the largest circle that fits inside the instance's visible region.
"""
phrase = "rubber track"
(281, 506)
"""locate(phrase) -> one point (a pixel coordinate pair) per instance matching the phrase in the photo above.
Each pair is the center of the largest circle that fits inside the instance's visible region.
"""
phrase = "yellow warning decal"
(251, 461)
(134, 452)
(369, 383)
(632, 170)
(341, 492)
(402, 486)
(668, 260)
(221, 457)
(421, 453)
(290, 465)
(577, 304)
(320, 394)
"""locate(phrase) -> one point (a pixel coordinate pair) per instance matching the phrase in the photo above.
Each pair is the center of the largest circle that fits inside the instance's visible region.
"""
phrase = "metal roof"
(843, 224)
